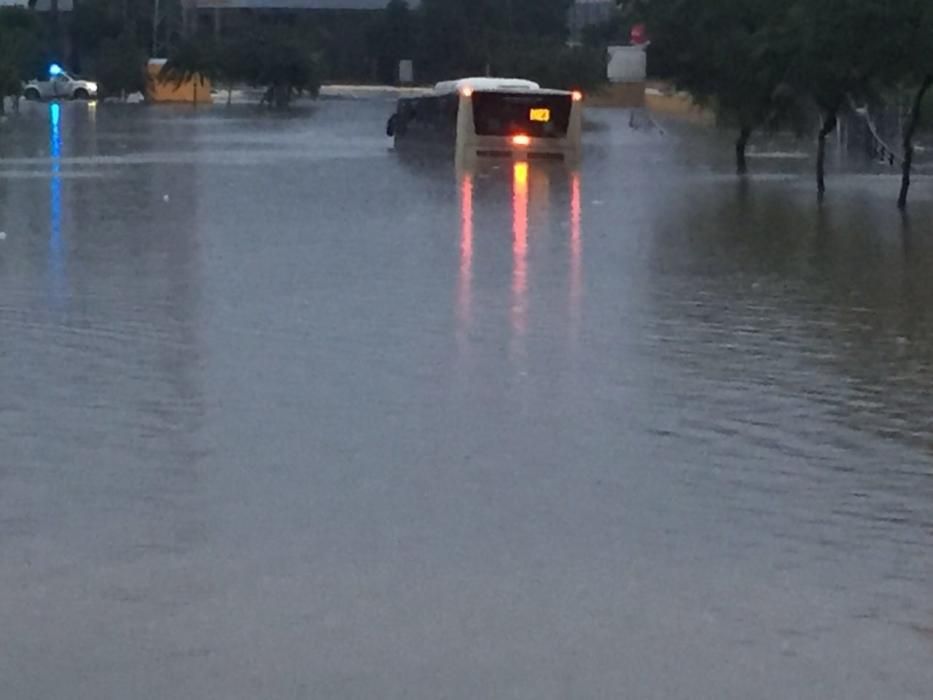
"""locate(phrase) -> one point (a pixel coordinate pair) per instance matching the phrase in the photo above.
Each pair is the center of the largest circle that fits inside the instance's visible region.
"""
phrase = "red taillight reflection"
(464, 290)
(519, 246)
(521, 140)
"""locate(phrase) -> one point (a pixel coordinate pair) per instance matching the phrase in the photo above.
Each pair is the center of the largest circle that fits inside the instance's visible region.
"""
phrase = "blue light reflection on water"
(56, 245)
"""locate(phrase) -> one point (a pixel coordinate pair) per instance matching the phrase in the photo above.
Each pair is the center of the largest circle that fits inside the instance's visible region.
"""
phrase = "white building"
(41, 5)
(294, 4)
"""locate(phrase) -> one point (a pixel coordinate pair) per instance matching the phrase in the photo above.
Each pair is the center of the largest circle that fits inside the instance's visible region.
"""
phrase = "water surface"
(288, 415)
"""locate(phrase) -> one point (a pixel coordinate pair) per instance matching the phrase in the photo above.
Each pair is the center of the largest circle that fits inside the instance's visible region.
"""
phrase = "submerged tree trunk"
(281, 95)
(830, 120)
(909, 130)
(741, 164)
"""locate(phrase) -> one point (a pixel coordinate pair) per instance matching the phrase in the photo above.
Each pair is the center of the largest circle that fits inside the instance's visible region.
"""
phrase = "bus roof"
(489, 85)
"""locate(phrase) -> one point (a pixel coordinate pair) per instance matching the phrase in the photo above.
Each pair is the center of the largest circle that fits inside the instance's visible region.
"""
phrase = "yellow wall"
(663, 99)
(197, 90)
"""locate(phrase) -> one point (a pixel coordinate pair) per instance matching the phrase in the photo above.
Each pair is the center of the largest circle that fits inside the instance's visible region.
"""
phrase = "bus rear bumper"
(538, 149)
(521, 154)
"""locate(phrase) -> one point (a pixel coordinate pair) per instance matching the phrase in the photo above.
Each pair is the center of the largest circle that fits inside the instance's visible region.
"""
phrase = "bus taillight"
(521, 140)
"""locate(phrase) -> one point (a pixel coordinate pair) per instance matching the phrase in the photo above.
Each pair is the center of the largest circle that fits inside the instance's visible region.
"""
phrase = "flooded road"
(287, 415)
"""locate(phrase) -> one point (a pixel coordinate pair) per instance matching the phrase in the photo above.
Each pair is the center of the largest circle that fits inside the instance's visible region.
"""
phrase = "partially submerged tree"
(275, 58)
(121, 66)
(843, 51)
(10, 84)
(279, 60)
(194, 60)
(731, 56)
(915, 26)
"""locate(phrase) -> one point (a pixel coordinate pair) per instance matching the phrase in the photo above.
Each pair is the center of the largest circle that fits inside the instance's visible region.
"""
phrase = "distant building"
(335, 5)
(41, 5)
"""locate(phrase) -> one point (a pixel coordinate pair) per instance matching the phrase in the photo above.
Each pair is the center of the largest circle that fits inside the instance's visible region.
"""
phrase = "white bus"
(491, 117)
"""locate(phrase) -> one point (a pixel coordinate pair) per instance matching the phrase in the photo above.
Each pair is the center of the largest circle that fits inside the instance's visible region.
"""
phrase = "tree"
(392, 38)
(281, 61)
(195, 59)
(614, 30)
(732, 56)
(457, 36)
(233, 64)
(554, 65)
(21, 50)
(92, 23)
(758, 62)
(121, 66)
(538, 18)
(9, 83)
(845, 49)
(463, 37)
(915, 27)
(274, 57)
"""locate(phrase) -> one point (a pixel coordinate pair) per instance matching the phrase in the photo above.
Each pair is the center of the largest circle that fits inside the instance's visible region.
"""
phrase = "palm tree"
(192, 60)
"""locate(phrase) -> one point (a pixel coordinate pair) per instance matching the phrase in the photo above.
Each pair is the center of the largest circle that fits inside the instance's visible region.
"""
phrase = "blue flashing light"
(55, 70)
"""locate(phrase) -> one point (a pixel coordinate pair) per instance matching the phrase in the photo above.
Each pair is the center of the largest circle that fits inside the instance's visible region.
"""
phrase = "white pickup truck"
(60, 86)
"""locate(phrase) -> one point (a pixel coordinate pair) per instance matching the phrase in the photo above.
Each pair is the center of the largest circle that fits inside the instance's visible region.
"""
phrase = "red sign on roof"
(639, 34)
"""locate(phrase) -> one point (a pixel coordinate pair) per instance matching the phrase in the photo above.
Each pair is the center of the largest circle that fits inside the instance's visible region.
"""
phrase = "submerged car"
(60, 86)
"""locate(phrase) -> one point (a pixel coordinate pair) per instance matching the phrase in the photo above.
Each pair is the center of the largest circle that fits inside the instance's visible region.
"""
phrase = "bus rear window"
(508, 114)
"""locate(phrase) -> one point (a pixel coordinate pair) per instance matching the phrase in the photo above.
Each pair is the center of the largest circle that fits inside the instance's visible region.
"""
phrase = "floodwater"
(287, 415)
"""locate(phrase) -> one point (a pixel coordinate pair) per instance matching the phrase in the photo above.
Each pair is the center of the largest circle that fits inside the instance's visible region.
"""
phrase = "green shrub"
(274, 57)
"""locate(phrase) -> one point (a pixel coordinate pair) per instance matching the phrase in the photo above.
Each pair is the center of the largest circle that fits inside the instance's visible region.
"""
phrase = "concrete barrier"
(662, 99)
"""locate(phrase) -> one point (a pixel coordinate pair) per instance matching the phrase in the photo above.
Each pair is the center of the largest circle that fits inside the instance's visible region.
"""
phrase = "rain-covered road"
(286, 415)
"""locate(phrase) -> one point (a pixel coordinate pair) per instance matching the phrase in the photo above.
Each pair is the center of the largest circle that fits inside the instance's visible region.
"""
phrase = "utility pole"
(155, 29)
(186, 18)
(56, 31)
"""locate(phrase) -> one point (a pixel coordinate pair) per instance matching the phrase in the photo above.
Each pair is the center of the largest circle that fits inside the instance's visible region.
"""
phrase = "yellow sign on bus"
(540, 114)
